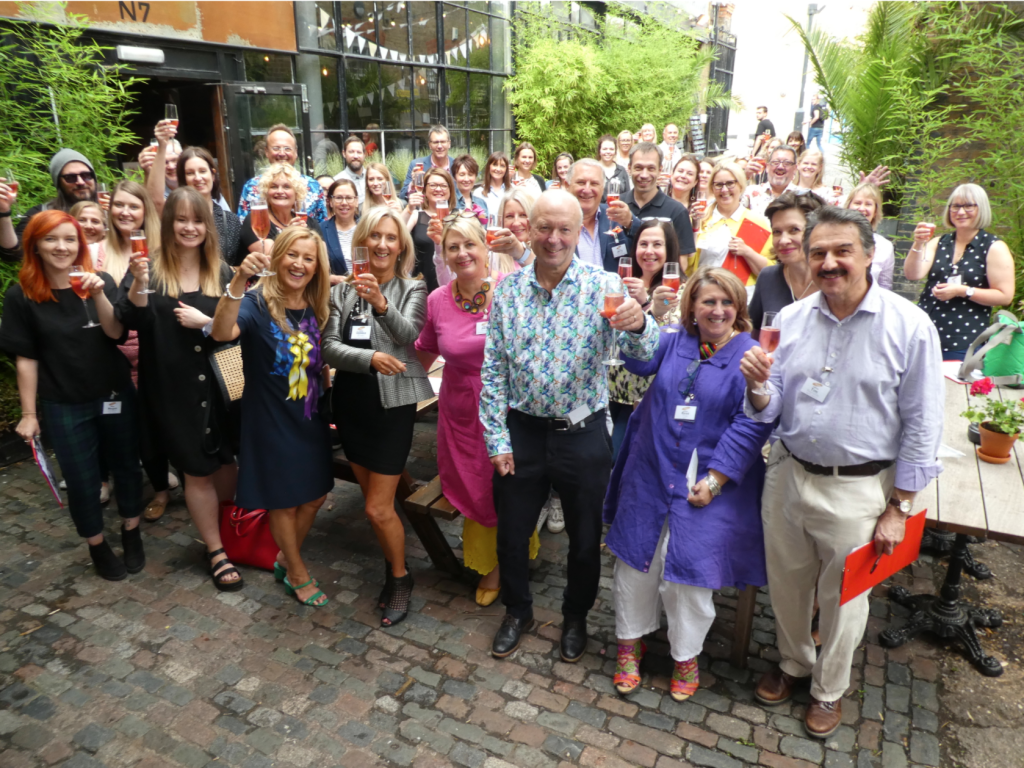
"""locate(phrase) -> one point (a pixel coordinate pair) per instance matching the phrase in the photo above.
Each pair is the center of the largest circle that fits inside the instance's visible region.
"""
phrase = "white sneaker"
(172, 481)
(104, 494)
(556, 520)
(544, 512)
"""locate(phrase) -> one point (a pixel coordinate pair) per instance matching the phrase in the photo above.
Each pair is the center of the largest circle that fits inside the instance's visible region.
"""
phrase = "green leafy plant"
(1006, 416)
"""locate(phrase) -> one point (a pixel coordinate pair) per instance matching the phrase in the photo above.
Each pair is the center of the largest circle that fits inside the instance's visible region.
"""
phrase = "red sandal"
(685, 679)
(627, 667)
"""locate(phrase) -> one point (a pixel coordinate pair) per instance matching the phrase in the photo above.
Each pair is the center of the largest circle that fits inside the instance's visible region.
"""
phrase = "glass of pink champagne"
(614, 295)
(768, 339)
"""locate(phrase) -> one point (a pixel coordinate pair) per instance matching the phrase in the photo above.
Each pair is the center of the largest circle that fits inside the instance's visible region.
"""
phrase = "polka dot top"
(959, 320)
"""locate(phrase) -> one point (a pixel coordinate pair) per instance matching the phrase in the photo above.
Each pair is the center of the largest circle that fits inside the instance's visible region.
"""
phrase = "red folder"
(857, 572)
(753, 235)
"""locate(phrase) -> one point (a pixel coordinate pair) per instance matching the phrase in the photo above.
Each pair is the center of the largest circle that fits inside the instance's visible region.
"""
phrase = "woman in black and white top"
(969, 270)
(337, 231)
(423, 214)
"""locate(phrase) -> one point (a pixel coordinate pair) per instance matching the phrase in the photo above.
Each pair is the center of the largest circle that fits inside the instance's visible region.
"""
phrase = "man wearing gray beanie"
(75, 180)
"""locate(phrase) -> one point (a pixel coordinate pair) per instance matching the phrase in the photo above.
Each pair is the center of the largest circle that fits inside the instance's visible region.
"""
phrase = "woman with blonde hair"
(375, 319)
(810, 170)
(283, 188)
(867, 198)
(183, 418)
(93, 221)
(451, 329)
(285, 456)
(717, 243)
(380, 188)
(512, 241)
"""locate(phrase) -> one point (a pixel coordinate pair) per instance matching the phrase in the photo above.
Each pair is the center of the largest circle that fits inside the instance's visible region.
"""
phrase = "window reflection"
(362, 89)
(455, 35)
(357, 28)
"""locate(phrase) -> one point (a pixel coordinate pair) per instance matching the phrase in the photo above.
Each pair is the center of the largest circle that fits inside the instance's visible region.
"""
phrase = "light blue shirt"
(589, 247)
(886, 397)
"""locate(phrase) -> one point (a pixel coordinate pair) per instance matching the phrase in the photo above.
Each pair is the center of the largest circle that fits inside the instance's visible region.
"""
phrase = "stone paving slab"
(163, 670)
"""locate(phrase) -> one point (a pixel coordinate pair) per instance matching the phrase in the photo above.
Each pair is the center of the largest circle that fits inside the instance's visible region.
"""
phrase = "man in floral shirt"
(282, 148)
(543, 409)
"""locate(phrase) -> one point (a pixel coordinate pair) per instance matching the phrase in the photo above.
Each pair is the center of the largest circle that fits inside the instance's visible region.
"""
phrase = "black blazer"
(329, 233)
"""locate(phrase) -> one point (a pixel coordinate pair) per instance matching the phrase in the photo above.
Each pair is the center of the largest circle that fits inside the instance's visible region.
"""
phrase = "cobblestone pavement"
(161, 669)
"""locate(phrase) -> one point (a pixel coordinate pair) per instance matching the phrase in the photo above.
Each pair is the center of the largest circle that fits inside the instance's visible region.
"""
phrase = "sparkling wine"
(260, 219)
(14, 187)
(671, 282)
(492, 234)
(173, 122)
(303, 216)
(611, 303)
(360, 268)
(769, 339)
(626, 271)
(140, 249)
(78, 288)
(613, 199)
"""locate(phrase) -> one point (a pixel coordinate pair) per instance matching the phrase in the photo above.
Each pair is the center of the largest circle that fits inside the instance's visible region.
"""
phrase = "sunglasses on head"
(72, 178)
(465, 213)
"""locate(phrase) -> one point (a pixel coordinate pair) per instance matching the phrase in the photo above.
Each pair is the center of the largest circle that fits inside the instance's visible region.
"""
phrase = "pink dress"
(462, 460)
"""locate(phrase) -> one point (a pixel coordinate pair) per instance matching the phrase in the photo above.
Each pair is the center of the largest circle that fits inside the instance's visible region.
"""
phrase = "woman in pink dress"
(456, 329)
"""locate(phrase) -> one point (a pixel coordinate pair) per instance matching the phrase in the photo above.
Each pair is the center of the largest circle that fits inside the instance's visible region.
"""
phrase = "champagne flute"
(614, 295)
(103, 195)
(386, 191)
(613, 190)
(360, 266)
(303, 212)
(417, 180)
(140, 250)
(670, 277)
(768, 339)
(171, 114)
(76, 274)
(625, 266)
(259, 218)
(11, 181)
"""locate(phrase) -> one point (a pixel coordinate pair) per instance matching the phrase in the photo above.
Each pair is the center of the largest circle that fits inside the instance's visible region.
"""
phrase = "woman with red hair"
(71, 365)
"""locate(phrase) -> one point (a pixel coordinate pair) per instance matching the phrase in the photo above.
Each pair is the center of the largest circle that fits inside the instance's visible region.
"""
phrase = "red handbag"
(245, 536)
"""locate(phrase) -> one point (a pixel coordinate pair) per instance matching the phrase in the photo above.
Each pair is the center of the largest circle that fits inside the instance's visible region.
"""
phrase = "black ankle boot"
(385, 593)
(134, 554)
(398, 604)
(108, 565)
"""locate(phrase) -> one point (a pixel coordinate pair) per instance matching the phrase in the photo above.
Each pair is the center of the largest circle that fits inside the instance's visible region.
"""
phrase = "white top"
(492, 198)
(345, 238)
(884, 262)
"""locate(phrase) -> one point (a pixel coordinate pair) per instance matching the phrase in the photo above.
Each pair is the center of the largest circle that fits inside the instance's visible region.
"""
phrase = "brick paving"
(163, 670)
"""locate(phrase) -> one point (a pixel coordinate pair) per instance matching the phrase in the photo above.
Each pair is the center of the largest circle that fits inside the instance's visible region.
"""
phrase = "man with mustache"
(781, 172)
(856, 385)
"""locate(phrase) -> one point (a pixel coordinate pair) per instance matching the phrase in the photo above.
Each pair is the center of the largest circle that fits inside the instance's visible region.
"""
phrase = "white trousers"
(639, 598)
(811, 523)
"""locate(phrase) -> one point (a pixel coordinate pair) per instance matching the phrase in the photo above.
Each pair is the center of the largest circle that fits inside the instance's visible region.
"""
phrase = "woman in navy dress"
(285, 461)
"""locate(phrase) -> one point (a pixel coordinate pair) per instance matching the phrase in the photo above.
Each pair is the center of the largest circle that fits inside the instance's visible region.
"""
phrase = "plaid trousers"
(81, 434)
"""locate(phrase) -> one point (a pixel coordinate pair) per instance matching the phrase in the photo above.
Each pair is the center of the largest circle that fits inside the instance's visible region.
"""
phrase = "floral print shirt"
(544, 350)
(314, 198)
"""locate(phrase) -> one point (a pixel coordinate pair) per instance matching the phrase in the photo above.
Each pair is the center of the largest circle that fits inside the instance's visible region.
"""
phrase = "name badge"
(359, 333)
(816, 390)
(618, 251)
(111, 407)
(481, 328)
(577, 415)
(686, 412)
(955, 280)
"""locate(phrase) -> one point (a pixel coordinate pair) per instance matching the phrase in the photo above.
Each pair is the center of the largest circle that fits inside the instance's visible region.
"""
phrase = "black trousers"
(578, 465)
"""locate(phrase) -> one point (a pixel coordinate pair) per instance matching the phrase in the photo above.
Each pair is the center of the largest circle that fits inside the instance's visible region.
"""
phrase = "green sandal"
(312, 600)
(281, 573)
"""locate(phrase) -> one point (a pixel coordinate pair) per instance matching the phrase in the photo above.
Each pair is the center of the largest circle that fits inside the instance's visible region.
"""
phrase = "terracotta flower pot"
(995, 446)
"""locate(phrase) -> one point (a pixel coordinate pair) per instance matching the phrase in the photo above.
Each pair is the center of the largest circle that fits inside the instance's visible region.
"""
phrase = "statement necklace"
(475, 305)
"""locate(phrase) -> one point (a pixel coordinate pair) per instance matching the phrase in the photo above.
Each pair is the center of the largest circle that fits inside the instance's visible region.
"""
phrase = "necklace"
(792, 293)
(476, 304)
(708, 348)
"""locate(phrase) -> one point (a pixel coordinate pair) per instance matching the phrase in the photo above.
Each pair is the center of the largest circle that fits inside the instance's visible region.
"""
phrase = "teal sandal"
(281, 573)
(313, 600)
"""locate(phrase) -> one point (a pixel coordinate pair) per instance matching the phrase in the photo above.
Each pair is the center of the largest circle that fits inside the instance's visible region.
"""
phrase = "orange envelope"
(753, 235)
(857, 575)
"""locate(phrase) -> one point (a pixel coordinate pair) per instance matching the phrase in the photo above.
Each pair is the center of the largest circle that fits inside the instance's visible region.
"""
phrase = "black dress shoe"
(574, 639)
(506, 639)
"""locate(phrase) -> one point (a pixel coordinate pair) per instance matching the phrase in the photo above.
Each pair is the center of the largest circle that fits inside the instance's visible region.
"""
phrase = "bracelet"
(5, 215)
(713, 486)
(230, 295)
(526, 254)
(29, 413)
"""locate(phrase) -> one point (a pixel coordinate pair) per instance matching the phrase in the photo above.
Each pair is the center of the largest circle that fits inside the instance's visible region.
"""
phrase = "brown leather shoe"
(775, 687)
(823, 717)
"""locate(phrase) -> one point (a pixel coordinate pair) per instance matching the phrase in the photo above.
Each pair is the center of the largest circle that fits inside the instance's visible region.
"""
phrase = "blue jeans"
(814, 134)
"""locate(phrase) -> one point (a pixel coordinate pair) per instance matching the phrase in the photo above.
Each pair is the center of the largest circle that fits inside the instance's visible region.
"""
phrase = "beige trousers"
(811, 523)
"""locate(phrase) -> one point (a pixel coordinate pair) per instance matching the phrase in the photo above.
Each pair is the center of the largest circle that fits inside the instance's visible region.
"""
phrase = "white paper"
(435, 384)
(691, 473)
(945, 452)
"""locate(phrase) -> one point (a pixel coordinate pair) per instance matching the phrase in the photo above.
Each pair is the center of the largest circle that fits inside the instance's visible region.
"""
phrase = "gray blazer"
(394, 334)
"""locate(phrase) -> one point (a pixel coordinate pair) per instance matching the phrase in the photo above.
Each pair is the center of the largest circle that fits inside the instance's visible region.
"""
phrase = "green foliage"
(55, 91)
(1006, 416)
(569, 89)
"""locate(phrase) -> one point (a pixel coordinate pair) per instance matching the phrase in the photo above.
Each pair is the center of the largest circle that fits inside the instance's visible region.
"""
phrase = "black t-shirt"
(818, 107)
(76, 364)
(248, 237)
(661, 206)
(424, 251)
(765, 125)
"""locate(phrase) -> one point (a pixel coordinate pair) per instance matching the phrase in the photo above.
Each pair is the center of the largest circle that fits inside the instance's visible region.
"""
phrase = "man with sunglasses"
(75, 180)
(781, 172)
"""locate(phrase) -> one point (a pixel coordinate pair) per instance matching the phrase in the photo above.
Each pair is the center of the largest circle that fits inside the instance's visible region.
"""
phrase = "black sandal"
(398, 604)
(224, 568)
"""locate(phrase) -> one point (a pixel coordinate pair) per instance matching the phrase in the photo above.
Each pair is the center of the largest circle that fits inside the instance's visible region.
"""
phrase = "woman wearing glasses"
(424, 220)
(337, 230)
(717, 243)
(968, 270)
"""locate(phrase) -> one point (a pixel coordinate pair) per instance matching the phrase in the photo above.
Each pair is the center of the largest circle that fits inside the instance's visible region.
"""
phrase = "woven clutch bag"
(227, 369)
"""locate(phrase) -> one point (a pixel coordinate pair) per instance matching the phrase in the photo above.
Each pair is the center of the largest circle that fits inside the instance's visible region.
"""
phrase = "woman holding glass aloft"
(284, 465)
(380, 189)
(279, 187)
(71, 372)
(456, 327)
(671, 552)
(427, 208)
(183, 415)
(511, 240)
(378, 382)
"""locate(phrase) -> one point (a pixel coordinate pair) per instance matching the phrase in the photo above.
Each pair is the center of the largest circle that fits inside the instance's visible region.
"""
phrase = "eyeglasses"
(465, 213)
(686, 386)
(720, 185)
(781, 163)
(281, 149)
(438, 142)
(72, 178)
(345, 199)
(441, 187)
(965, 207)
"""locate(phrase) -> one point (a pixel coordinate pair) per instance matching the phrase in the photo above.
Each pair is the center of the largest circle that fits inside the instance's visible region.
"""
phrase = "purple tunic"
(721, 545)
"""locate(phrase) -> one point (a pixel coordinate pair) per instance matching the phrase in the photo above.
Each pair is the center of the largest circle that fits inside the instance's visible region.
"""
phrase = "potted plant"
(999, 421)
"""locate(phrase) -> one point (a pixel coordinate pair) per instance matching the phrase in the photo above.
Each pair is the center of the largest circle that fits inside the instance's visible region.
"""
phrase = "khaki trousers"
(811, 523)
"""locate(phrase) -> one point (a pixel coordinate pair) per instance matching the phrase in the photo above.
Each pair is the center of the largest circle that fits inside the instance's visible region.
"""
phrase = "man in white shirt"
(671, 149)
(857, 389)
(354, 154)
(586, 184)
(781, 172)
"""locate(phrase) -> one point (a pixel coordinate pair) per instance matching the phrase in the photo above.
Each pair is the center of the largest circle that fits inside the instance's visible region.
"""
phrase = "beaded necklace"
(475, 305)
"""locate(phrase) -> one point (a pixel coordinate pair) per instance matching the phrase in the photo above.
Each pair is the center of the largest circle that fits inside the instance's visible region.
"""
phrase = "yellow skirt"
(480, 546)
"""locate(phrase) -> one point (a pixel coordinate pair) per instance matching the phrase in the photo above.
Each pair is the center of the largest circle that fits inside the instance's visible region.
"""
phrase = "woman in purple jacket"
(671, 551)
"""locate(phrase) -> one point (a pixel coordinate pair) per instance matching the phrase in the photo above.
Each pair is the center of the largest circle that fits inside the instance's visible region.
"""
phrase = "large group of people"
(600, 341)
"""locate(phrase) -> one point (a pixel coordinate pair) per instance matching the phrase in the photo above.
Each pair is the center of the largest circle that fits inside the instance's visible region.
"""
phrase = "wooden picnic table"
(970, 497)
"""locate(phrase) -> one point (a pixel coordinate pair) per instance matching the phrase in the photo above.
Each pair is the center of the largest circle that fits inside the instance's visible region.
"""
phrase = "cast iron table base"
(946, 616)
(941, 543)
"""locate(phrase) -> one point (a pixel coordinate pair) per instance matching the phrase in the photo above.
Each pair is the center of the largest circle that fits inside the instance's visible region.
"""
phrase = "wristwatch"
(969, 292)
(903, 506)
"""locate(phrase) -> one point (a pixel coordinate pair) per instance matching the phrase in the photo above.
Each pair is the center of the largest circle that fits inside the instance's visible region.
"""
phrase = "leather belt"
(866, 469)
(560, 424)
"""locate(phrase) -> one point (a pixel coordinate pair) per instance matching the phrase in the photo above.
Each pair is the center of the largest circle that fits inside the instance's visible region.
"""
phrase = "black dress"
(182, 413)
(372, 436)
(247, 237)
(424, 251)
(229, 230)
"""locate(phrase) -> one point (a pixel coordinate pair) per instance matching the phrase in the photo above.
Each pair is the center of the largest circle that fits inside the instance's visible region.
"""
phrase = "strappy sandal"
(317, 600)
(224, 568)
(627, 667)
(685, 680)
(398, 602)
